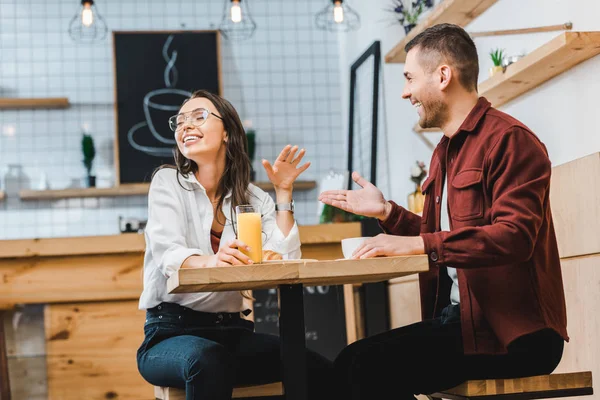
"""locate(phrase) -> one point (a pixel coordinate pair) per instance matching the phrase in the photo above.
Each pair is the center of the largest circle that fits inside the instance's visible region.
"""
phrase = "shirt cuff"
(434, 247)
(172, 263)
(288, 246)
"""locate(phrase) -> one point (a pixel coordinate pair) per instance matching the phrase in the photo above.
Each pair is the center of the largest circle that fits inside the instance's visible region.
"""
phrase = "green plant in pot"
(251, 137)
(497, 56)
(89, 153)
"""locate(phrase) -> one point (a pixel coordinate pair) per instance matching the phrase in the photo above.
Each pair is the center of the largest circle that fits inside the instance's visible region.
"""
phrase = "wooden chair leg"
(4, 379)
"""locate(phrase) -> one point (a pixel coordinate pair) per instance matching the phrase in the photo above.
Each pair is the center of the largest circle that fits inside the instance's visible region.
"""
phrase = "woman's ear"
(225, 138)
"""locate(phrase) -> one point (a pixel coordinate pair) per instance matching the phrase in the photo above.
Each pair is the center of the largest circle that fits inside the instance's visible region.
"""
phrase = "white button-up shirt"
(180, 217)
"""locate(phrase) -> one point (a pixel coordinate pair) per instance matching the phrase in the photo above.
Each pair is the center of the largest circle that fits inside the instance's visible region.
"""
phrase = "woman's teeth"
(191, 138)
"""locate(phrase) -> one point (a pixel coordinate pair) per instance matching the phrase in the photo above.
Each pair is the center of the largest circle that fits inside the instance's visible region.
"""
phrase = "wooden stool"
(240, 392)
(535, 387)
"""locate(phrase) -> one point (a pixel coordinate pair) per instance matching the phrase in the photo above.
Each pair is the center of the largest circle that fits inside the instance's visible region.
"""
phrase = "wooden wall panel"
(91, 351)
(582, 291)
(575, 202)
(70, 279)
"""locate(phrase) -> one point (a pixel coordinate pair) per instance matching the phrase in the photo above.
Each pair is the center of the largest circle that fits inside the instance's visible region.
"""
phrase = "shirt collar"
(193, 181)
(476, 114)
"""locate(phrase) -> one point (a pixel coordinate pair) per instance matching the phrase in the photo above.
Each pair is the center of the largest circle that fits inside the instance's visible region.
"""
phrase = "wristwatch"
(285, 206)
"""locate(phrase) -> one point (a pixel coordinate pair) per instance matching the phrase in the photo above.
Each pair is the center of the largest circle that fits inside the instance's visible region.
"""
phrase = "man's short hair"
(448, 43)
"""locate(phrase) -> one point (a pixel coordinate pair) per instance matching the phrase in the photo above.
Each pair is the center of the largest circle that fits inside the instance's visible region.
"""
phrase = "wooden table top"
(273, 274)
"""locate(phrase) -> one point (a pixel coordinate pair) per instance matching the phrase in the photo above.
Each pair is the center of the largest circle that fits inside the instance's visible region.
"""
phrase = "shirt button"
(437, 199)
(434, 256)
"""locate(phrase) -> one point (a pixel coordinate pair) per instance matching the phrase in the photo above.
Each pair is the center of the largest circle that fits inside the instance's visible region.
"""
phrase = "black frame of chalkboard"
(374, 296)
(116, 105)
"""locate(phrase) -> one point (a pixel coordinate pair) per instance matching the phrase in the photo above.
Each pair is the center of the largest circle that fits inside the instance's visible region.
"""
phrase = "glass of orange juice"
(249, 229)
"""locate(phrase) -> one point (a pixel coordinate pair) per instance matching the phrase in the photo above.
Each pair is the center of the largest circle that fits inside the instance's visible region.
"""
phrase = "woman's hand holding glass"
(230, 254)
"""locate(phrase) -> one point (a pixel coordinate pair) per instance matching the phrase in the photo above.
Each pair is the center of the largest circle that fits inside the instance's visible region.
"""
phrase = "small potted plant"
(89, 153)
(497, 56)
(409, 15)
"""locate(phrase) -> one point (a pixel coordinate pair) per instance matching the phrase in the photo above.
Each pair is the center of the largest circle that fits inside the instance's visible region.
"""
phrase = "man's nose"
(406, 93)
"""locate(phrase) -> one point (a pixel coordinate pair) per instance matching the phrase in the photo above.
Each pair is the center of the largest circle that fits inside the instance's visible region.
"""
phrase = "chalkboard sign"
(154, 73)
(324, 317)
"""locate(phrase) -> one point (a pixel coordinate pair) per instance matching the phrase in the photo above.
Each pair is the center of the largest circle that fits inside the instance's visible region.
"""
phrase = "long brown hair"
(236, 176)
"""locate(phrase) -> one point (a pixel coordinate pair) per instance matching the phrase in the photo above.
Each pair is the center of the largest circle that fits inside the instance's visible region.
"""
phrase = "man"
(493, 301)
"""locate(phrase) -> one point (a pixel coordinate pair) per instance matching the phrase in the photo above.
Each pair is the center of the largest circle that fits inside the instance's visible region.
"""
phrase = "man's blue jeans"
(208, 354)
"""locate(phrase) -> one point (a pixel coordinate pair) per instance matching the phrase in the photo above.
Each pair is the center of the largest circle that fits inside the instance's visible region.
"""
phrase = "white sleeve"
(166, 228)
(288, 247)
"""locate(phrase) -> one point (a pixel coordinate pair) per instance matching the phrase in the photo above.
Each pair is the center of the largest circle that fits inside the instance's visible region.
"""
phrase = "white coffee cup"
(351, 244)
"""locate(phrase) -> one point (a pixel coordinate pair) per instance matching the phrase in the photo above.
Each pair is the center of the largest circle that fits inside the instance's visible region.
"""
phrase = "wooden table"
(289, 277)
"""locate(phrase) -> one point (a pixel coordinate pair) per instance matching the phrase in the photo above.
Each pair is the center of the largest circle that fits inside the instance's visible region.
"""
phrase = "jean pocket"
(152, 336)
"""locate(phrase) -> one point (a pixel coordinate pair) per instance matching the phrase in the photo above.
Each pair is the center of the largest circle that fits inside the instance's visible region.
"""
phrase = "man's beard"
(435, 114)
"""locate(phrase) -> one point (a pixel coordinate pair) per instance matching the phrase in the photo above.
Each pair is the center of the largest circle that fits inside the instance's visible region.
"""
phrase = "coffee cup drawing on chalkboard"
(159, 105)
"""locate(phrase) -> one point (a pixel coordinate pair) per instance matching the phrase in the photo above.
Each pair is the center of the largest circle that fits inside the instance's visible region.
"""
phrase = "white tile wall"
(285, 79)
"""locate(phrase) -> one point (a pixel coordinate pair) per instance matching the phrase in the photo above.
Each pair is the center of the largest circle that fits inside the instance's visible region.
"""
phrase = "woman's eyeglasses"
(197, 118)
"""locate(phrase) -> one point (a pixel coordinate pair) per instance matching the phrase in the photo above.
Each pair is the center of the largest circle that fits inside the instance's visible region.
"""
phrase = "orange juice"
(250, 232)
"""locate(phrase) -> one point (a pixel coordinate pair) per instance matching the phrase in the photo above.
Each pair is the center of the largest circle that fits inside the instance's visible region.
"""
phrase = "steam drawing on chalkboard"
(159, 105)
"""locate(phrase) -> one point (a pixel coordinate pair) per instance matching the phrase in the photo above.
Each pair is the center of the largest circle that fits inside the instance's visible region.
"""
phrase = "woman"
(198, 341)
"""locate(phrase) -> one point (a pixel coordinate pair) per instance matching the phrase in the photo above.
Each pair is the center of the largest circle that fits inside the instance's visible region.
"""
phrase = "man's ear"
(445, 76)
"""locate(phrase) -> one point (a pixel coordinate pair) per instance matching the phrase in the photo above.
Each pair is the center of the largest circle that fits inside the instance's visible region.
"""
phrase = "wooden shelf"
(19, 103)
(139, 189)
(459, 12)
(555, 57)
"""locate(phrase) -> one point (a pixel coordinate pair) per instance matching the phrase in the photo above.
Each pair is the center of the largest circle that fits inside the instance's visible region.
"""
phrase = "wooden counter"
(84, 342)
(99, 268)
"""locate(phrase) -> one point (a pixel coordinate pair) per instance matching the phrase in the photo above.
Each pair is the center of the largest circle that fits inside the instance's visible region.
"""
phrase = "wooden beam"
(550, 28)
(21, 103)
(459, 12)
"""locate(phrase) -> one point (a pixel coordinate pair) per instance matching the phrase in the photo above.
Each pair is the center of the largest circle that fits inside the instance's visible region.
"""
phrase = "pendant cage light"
(337, 17)
(237, 22)
(87, 25)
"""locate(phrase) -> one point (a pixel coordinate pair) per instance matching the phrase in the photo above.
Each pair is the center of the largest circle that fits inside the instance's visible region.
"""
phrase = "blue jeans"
(208, 354)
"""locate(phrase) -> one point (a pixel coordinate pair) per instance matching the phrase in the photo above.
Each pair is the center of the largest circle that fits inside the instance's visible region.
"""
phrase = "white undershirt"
(445, 226)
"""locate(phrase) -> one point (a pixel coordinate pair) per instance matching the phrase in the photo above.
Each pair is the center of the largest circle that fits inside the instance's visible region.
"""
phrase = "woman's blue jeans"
(208, 354)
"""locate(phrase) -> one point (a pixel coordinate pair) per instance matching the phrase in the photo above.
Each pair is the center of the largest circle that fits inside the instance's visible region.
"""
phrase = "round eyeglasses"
(197, 118)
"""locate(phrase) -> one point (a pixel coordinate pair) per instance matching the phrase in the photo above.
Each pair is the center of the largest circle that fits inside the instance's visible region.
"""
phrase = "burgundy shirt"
(502, 239)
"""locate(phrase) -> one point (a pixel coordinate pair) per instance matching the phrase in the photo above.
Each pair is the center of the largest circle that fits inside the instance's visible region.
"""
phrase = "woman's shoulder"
(167, 176)
(257, 195)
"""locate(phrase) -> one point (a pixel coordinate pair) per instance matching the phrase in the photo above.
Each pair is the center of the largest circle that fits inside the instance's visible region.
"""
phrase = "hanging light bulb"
(236, 11)
(337, 17)
(237, 23)
(87, 25)
(87, 15)
(338, 12)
